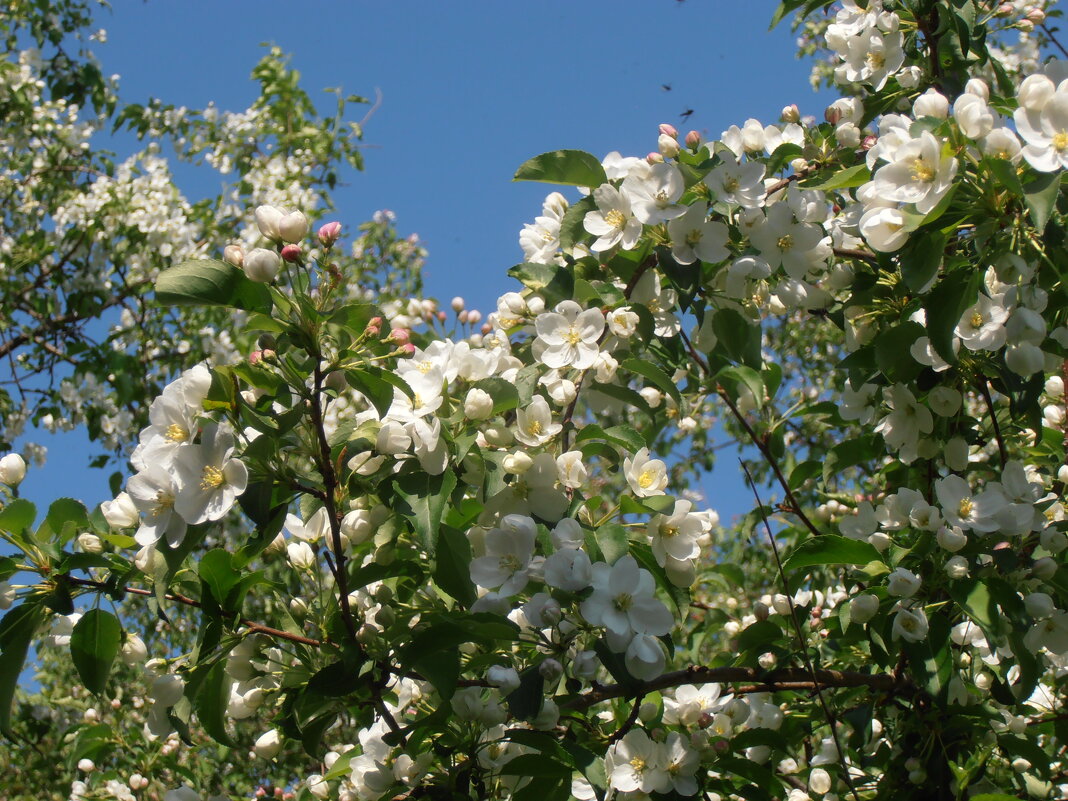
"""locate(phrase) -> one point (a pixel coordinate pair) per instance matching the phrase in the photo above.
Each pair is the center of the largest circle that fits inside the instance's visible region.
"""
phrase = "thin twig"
(1046, 30)
(628, 724)
(831, 720)
(984, 388)
(187, 601)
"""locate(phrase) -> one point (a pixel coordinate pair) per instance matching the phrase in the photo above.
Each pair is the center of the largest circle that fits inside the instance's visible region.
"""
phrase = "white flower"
(782, 240)
(884, 228)
(862, 608)
(676, 535)
(478, 405)
(1044, 125)
(635, 763)
(209, 479)
(292, 227)
(623, 322)
(919, 173)
(261, 265)
(268, 745)
(902, 427)
(534, 424)
(569, 569)
(12, 469)
(966, 511)
(973, 116)
(910, 624)
(316, 527)
(982, 327)
(613, 223)
(121, 512)
(509, 550)
(167, 690)
(153, 491)
(741, 183)
(267, 218)
(623, 601)
(645, 476)
(644, 657)
(653, 195)
(902, 583)
(300, 555)
(693, 238)
(573, 473)
(1051, 633)
(568, 336)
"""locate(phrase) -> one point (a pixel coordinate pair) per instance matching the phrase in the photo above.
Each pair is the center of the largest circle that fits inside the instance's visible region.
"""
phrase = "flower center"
(534, 427)
(615, 218)
(646, 478)
(977, 320)
(876, 60)
(164, 501)
(667, 532)
(731, 184)
(175, 433)
(1060, 141)
(638, 764)
(965, 507)
(693, 237)
(661, 197)
(922, 171)
(572, 337)
(212, 478)
(623, 601)
(785, 242)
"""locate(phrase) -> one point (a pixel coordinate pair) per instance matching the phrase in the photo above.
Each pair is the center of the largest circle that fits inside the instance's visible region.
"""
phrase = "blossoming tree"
(359, 557)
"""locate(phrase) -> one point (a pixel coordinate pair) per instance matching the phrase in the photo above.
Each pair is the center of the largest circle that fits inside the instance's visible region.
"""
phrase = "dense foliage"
(367, 549)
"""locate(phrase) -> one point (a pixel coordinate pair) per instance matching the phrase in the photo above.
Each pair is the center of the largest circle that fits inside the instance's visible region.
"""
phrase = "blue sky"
(469, 90)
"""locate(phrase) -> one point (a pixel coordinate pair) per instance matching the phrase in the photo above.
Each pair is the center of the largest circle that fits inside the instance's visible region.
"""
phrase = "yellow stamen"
(615, 218)
(965, 507)
(175, 433)
(212, 478)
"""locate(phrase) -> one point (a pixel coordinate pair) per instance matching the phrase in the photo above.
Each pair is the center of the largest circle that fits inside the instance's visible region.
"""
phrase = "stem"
(831, 720)
(984, 388)
(185, 600)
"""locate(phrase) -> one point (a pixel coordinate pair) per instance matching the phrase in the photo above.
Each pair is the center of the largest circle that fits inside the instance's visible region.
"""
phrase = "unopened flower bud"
(268, 744)
(329, 233)
(457, 304)
(551, 670)
(293, 227)
(86, 765)
(12, 469)
(1036, 15)
(863, 608)
(1025, 25)
(790, 113)
(654, 158)
(668, 146)
(667, 129)
(517, 463)
(693, 140)
(399, 335)
(1044, 568)
(267, 218)
(291, 253)
(90, 543)
(234, 254)
(261, 265)
(478, 405)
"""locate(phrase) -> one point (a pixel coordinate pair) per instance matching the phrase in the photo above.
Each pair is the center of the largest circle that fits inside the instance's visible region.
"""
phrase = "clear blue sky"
(470, 90)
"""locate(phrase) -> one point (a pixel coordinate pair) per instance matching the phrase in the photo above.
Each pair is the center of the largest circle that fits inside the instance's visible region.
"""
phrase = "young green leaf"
(94, 644)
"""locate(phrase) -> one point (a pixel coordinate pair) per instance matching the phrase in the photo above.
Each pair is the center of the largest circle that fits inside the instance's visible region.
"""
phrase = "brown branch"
(628, 724)
(781, 680)
(187, 601)
(832, 721)
(984, 388)
(849, 253)
(1046, 30)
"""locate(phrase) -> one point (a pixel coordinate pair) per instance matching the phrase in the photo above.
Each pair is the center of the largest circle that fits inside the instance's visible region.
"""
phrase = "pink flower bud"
(329, 233)
(255, 357)
(833, 115)
(375, 321)
(486, 328)
(464, 316)
(693, 140)
(408, 348)
(1004, 9)
(475, 316)
(261, 792)
(1036, 15)
(790, 113)
(234, 254)
(868, 142)
(457, 304)
(291, 253)
(669, 129)
(1025, 25)
(399, 335)
(654, 158)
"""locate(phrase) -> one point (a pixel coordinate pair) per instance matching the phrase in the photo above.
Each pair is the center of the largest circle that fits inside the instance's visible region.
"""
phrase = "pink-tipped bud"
(400, 335)
(1025, 25)
(442, 316)
(375, 321)
(693, 140)
(654, 158)
(261, 792)
(1005, 9)
(255, 357)
(790, 113)
(475, 316)
(291, 253)
(868, 142)
(457, 304)
(486, 328)
(408, 348)
(668, 129)
(464, 316)
(234, 254)
(833, 115)
(329, 233)
(1037, 16)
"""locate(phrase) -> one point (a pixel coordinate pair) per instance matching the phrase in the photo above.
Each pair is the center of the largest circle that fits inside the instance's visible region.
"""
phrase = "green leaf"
(1040, 195)
(217, 572)
(1005, 173)
(66, 518)
(758, 635)
(17, 516)
(570, 167)
(377, 385)
(739, 337)
(337, 680)
(946, 303)
(857, 175)
(452, 566)
(17, 630)
(735, 377)
(658, 377)
(625, 395)
(613, 541)
(553, 283)
(920, 265)
(572, 228)
(425, 498)
(622, 435)
(210, 703)
(524, 702)
(208, 282)
(504, 393)
(94, 644)
(892, 351)
(830, 549)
